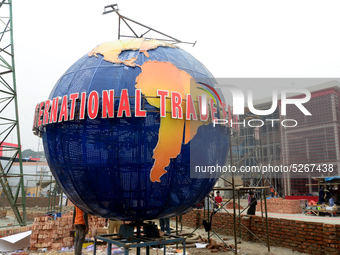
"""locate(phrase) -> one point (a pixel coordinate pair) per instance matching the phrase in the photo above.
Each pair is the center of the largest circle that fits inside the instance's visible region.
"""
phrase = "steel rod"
(148, 27)
(233, 185)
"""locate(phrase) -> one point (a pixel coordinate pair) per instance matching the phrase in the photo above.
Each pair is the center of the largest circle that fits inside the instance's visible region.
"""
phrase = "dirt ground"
(244, 248)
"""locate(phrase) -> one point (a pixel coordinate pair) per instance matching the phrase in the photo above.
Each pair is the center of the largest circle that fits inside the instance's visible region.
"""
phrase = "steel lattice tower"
(12, 182)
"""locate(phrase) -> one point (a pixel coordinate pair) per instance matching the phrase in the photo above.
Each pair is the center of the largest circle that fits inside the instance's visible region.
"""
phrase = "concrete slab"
(302, 217)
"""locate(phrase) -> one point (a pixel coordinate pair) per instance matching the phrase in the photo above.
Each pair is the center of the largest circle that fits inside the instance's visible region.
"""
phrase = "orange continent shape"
(111, 50)
(165, 76)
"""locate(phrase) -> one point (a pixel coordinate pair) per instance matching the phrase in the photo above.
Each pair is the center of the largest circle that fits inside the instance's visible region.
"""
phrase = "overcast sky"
(234, 39)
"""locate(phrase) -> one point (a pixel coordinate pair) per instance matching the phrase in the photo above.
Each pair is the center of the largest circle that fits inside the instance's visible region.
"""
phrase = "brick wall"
(309, 237)
(280, 205)
(32, 201)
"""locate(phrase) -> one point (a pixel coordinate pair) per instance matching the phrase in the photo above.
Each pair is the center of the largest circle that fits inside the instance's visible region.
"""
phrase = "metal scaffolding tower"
(12, 182)
(236, 191)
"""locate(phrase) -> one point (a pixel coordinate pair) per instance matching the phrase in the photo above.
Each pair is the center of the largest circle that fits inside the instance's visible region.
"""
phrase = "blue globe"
(103, 164)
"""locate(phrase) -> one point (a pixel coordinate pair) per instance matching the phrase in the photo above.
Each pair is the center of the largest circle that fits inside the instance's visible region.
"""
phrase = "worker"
(321, 196)
(209, 202)
(165, 225)
(327, 194)
(80, 221)
(331, 201)
(252, 206)
(218, 199)
(272, 191)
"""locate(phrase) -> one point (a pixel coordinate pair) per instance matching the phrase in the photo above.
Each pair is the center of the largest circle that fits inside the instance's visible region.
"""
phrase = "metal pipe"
(109, 248)
(147, 27)
(233, 184)
(234, 210)
(138, 236)
(264, 194)
(176, 230)
(165, 40)
(118, 27)
(129, 26)
(239, 213)
(208, 205)
(265, 207)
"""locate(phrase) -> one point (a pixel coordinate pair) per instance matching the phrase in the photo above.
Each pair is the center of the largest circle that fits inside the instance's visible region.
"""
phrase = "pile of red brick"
(51, 234)
(280, 205)
(55, 234)
(216, 247)
(94, 223)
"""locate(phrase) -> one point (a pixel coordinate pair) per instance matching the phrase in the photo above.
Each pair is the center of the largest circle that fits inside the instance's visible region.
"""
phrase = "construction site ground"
(245, 247)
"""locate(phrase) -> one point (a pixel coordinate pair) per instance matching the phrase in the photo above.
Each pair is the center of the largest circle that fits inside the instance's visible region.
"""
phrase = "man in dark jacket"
(252, 206)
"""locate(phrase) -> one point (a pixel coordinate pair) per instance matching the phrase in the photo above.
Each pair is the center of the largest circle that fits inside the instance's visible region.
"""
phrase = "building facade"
(310, 149)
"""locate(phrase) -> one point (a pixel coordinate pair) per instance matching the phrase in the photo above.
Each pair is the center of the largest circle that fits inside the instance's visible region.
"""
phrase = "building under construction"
(313, 142)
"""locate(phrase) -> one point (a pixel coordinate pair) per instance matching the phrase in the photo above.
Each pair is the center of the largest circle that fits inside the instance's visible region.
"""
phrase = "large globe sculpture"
(124, 166)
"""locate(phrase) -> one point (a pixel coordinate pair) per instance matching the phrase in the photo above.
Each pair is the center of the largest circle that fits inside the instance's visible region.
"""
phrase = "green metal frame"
(9, 102)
